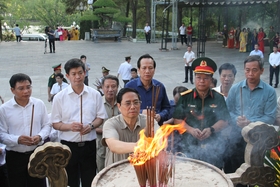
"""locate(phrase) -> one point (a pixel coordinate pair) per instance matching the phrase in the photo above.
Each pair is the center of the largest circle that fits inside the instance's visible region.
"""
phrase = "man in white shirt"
(59, 85)
(182, 31)
(274, 61)
(257, 51)
(24, 125)
(189, 57)
(125, 70)
(147, 30)
(76, 112)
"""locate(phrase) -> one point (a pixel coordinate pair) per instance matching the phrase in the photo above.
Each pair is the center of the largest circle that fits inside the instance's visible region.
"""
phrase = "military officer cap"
(56, 67)
(104, 70)
(204, 65)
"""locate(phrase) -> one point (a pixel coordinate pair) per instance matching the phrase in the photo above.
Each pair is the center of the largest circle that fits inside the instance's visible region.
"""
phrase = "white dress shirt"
(147, 28)
(57, 88)
(66, 108)
(258, 52)
(125, 70)
(274, 59)
(3, 155)
(15, 120)
(219, 89)
(188, 56)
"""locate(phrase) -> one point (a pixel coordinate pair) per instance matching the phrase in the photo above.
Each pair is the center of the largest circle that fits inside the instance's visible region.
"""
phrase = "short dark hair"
(126, 90)
(83, 56)
(111, 77)
(17, 25)
(145, 56)
(59, 75)
(254, 58)
(214, 81)
(133, 69)
(127, 58)
(73, 63)
(257, 44)
(227, 66)
(19, 77)
(179, 89)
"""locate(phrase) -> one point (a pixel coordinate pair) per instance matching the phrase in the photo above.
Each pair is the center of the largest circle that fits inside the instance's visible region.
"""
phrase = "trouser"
(17, 170)
(52, 45)
(4, 176)
(187, 68)
(273, 71)
(189, 37)
(225, 41)
(148, 36)
(18, 37)
(82, 163)
(86, 80)
(183, 39)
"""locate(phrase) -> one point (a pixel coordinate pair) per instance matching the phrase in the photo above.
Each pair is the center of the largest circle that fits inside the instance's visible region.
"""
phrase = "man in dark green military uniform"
(205, 114)
(52, 81)
(271, 36)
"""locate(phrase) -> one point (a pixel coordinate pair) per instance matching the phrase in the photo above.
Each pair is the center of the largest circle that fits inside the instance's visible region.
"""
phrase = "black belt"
(78, 144)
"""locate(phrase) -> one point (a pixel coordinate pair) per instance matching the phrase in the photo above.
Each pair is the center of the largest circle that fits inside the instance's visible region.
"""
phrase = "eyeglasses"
(21, 89)
(134, 103)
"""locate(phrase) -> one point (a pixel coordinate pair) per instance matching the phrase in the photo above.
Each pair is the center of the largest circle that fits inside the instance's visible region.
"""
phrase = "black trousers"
(18, 37)
(183, 39)
(52, 45)
(273, 71)
(86, 80)
(187, 69)
(4, 176)
(17, 170)
(82, 163)
(148, 37)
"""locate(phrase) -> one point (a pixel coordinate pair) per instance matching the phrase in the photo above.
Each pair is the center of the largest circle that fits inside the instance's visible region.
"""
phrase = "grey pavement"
(29, 58)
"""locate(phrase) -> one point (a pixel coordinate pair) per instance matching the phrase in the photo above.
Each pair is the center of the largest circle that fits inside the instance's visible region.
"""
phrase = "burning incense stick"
(241, 102)
(81, 112)
(31, 123)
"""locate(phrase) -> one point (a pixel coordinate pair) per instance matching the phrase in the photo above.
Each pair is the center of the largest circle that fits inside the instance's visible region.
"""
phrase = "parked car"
(34, 37)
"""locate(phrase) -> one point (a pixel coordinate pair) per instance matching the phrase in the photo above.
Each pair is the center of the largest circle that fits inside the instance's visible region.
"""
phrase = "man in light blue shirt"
(257, 51)
(259, 104)
(17, 32)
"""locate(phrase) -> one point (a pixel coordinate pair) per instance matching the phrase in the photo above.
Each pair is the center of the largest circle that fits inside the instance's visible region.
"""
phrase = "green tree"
(3, 8)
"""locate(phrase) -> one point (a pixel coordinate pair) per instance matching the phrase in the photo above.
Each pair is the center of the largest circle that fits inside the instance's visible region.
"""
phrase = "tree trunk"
(148, 11)
(134, 5)
(126, 15)
(1, 37)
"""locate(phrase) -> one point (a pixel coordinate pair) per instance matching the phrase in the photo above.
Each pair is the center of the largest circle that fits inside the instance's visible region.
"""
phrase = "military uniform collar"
(209, 93)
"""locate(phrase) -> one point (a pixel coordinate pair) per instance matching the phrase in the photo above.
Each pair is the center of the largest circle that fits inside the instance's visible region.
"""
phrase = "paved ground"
(29, 58)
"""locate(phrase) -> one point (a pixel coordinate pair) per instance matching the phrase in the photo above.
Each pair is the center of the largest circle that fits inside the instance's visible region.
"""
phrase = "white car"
(34, 37)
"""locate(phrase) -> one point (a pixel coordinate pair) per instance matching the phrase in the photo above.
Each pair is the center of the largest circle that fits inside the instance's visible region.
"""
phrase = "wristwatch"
(91, 126)
(212, 130)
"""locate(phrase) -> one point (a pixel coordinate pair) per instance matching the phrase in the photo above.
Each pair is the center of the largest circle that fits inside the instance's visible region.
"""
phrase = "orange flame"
(274, 155)
(148, 148)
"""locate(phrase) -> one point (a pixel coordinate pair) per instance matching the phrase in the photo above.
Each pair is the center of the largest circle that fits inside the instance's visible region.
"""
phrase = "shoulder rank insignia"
(218, 92)
(186, 92)
(52, 76)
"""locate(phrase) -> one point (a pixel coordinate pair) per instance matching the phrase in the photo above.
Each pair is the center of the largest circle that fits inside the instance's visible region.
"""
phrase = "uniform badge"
(213, 106)
(203, 63)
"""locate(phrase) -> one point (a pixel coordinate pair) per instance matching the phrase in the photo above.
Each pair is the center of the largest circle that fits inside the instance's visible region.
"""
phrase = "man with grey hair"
(259, 104)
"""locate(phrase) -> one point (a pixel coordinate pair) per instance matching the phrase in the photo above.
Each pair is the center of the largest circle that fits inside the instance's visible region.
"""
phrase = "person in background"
(236, 36)
(189, 57)
(231, 38)
(259, 101)
(225, 36)
(213, 83)
(227, 74)
(261, 36)
(257, 52)
(52, 79)
(17, 32)
(76, 112)
(98, 84)
(133, 73)
(121, 133)
(87, 66)
(147, 30)
(59, 85)
(145, 85)
(271, 36)
(189, 34)
(24, 125)
(274, 61)
(254, 38)
(110, 86)
(249, 40)
(56, 34)
(243, 40)
(51, 36)
(182, 31)
(125, 70)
